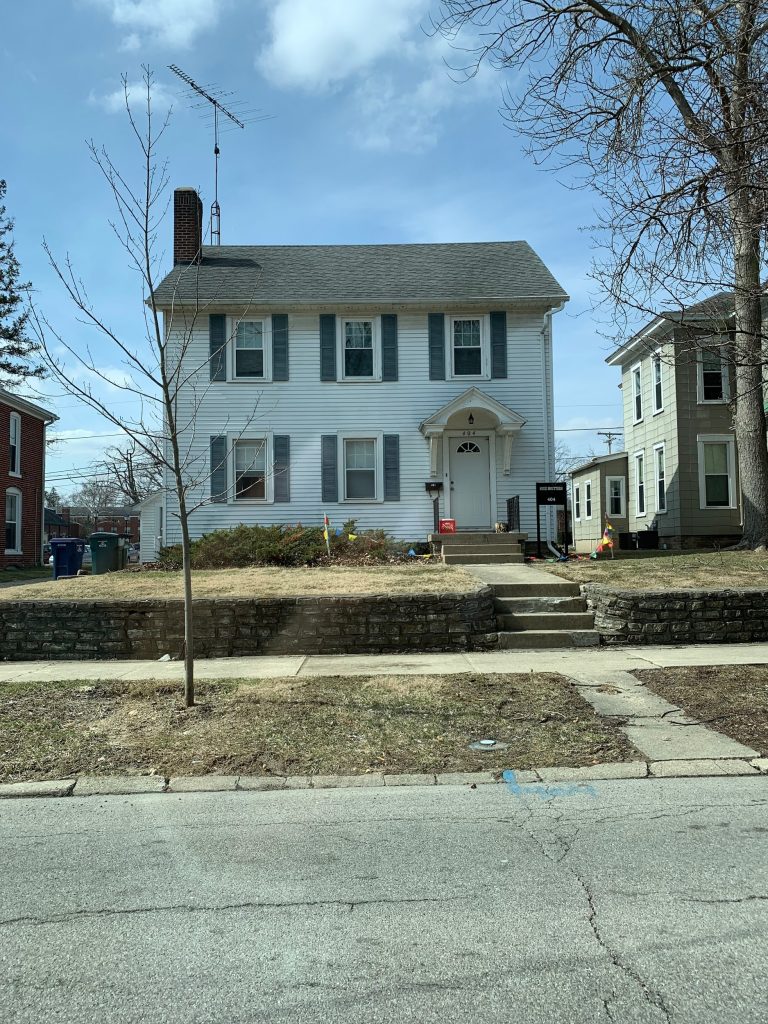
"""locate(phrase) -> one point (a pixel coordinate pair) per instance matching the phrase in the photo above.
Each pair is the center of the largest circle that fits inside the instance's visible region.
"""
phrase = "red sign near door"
(447, 526)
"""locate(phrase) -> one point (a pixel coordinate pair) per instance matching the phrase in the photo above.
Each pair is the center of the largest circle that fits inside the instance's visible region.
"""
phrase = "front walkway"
(572, 662)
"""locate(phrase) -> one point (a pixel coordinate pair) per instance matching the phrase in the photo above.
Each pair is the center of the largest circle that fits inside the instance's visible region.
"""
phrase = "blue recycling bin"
(67, 556)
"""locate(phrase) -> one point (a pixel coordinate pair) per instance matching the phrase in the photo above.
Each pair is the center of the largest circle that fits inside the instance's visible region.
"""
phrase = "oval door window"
(468, 447)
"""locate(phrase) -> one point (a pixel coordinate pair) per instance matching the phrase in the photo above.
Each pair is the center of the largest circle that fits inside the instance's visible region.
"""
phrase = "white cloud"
(316, 44)
(172, 23)
(114, 102)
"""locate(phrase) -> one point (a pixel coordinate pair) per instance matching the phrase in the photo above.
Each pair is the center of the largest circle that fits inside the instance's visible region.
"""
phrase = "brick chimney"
(187, 226)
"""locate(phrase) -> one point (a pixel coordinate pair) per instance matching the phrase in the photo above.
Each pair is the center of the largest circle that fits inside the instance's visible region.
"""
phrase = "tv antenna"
(213, 97)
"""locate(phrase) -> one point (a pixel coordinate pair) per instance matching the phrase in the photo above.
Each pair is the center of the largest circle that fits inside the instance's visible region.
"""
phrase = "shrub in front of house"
(286, 545)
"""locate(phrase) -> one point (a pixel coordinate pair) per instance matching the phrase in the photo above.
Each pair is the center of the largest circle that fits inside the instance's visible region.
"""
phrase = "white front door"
(470, 475)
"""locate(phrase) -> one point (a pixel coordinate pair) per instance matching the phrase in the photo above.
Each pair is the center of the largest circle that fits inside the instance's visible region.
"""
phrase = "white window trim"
(485, 346)
(726, 379)
(638, 513)
(266, 334)
(728, 440)
(361, 435)
(637, 369)
(656, 359)
(588, 499)
(15, 418)
(623, 481)
(19, 522)
(341, 319)
(661, 447)
(577, 502)
(232, 441)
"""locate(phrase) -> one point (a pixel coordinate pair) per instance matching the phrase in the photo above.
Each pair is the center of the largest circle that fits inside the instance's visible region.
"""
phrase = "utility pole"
(610, 436)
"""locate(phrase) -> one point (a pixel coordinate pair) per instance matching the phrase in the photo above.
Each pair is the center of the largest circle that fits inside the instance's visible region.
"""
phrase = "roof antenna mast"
(212, 98)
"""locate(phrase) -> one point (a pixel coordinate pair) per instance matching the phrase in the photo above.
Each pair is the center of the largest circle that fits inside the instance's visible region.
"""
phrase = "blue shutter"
(389, 346)
(329, 467)
(279, 346)
(327, 346)
(498, 346)
(217, 351)
(281, 445)
(391, 467)
(218, 468)
(436, 333)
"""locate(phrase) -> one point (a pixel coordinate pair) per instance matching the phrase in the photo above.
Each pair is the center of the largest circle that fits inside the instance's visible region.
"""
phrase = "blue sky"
(371, 140)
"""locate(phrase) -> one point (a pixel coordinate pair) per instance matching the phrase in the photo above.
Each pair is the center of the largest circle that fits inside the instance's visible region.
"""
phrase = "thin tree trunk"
(189, 636)
(749, 419)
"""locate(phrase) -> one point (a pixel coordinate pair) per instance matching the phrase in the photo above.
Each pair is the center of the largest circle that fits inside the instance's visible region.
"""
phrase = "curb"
(132, 785)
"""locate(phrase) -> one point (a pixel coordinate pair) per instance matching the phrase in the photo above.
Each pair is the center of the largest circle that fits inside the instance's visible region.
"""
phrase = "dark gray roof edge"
(518, 300)
(25, 405)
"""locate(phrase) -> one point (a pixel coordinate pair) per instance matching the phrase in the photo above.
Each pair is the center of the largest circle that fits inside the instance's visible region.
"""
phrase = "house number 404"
(468, 433)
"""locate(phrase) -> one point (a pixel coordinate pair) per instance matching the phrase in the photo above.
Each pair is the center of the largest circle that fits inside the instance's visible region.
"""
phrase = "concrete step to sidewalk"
(547, 639)
(537, 589)
(539, 605)
(473, 537)
(481, 558)
(540, 620)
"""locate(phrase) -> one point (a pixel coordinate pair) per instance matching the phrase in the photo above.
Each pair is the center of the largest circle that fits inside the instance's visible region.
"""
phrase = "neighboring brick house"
(22, 479)
(82, 521)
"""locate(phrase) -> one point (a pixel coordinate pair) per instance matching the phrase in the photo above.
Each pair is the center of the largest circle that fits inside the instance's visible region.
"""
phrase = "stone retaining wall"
(230, 627)
(678, 616)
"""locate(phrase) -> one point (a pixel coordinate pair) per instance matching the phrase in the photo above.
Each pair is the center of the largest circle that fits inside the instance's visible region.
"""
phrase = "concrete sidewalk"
(572, 662)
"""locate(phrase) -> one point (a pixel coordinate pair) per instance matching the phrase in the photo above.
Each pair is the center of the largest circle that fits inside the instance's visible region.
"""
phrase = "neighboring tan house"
(22, 479)
(340, 379)
(679, 466)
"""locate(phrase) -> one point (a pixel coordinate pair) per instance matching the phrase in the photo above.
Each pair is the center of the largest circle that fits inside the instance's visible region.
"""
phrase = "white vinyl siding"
(305, 411)
(14, 445)
(13, 521)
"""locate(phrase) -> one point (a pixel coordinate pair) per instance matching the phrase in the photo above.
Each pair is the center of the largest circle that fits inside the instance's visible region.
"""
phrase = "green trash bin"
(105, 553)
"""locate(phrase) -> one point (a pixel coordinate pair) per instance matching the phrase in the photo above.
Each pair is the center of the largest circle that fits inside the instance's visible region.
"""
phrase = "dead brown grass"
(297, 726)
(732, 698)
(667, 571)
(263, 581)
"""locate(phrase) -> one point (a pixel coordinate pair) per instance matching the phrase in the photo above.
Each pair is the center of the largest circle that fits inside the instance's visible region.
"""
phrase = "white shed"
(151, 511)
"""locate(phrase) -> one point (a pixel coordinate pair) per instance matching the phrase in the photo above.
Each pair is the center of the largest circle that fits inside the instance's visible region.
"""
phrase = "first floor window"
(661, 481)
(576, 501)
(467, 348)
(615, 496)
(358, 348)
(640, 483)
(360, 469)
(588, 499)
(249, 349)
(251, 469)
(12, 521)
(717, 477)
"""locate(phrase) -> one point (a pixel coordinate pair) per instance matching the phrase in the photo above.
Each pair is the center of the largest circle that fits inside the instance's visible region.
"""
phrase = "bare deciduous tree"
(136, 473)
(664, 105)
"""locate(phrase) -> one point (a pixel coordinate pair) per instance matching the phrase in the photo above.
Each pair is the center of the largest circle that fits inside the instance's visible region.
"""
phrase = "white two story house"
(340, 380)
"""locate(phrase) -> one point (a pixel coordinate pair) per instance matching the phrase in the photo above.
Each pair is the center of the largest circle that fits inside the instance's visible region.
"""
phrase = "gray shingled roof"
(328, 274)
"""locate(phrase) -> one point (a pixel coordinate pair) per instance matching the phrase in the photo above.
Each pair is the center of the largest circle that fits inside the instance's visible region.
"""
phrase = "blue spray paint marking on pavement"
(543, 791)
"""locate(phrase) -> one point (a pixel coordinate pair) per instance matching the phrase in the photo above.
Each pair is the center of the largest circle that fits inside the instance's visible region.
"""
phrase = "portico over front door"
(469, 463)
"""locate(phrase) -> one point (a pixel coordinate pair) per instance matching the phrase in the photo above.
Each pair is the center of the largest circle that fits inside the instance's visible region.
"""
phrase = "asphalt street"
(634, 901)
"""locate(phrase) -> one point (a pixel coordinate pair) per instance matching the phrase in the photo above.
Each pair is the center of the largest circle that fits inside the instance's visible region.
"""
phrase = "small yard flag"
(352, 536)
(607, 539)
(326, 534)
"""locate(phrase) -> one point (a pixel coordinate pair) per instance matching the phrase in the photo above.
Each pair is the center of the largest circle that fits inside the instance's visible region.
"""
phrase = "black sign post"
(548, 495)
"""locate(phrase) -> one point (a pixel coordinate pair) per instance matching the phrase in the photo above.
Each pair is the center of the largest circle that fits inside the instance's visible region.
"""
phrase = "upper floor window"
(14, 445)
(359, 345)
(251, 469)
(615, 495)
(658, 396)
(12, 521)
(468, 343)
(251, 349)
(637, 394)
(712, 376)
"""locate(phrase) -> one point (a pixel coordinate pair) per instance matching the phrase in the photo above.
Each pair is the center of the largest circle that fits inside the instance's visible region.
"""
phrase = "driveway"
(642, 901)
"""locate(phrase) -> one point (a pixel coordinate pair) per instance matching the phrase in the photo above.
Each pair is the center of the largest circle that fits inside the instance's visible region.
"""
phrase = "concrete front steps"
(543, 616)
(479, 547)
